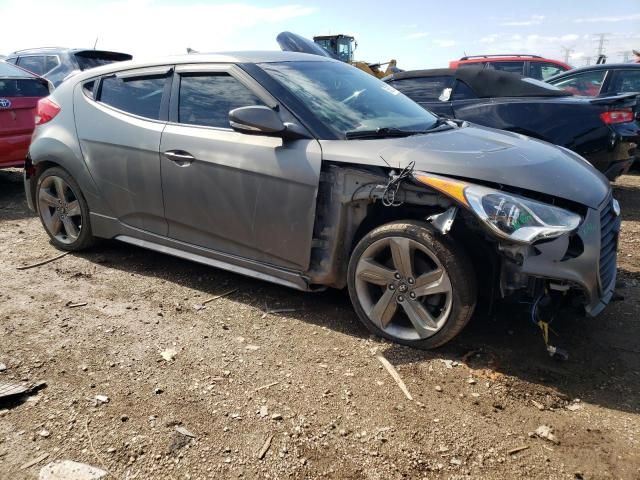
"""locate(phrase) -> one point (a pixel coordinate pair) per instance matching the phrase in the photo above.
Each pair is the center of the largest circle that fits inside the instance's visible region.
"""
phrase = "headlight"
(509, 216)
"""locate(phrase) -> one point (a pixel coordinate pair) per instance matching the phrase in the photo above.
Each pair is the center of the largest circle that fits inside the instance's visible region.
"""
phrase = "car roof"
(8, 70)
(53, 50)
(601, 66)
(195, 58)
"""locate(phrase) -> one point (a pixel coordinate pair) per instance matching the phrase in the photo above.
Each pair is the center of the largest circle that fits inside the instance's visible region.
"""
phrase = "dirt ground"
(307, 378)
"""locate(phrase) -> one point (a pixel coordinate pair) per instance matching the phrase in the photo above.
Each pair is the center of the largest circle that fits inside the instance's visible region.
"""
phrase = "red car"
(532, 66)
(20, 91)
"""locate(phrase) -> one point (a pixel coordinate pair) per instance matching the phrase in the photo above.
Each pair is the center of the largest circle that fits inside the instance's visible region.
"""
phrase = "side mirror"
(256, 120)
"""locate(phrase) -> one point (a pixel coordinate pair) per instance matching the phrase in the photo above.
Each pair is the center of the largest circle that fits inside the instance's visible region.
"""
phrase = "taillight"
(617, 116)
(46, 110)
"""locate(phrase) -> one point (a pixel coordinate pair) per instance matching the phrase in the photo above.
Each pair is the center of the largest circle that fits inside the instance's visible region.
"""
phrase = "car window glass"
(585, 84)
(138, 95)
(462, 91)
(425, 89)
(513, 67)
(547, 70)
(33, 63)
(27, 87)
(206, 99)
(51, 62)
(626, 81)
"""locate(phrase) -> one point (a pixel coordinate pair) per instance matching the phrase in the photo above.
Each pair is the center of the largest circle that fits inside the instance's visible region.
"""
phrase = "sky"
(417, 33)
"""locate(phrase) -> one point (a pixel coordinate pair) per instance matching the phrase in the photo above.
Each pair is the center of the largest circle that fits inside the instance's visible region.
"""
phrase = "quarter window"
(140, 96)
(586, 84)
(206, 99)
(33, 63)
(626, 81)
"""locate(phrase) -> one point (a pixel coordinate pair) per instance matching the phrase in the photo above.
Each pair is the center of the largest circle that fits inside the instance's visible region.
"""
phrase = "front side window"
(545, 70)
(140, 96)
(587, 84)
(626, 81)
(33, 63)
(207, 98)
(425, 89)
(346, 99)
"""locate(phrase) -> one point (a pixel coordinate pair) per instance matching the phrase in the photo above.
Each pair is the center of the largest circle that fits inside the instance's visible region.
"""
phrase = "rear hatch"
(96, 58)
(18, 99)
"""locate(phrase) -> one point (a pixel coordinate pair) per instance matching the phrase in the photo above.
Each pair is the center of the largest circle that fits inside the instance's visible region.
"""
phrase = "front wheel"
(63, 210)
(411, 286)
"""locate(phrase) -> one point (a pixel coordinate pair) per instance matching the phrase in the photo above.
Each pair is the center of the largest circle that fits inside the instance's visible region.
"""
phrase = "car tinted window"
(626, 81)
(23, 88)
(425, 89)
(33, 63)
(138, 95)
(586, 84)
(544, 70)
(513, 67)
(50, 62)
(462, 91)
(206, 99)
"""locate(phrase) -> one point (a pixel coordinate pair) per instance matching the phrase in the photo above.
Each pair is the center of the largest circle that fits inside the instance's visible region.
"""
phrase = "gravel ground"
(198, 392)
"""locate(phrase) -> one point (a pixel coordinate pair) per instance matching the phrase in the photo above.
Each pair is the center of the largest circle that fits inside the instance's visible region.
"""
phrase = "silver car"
(309, 173)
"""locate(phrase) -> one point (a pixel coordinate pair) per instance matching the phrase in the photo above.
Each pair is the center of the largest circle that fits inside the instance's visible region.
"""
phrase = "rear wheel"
(411, 286)
(63, 210)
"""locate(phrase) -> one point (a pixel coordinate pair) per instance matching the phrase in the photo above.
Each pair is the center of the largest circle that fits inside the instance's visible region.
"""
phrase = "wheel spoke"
(431, 283)
(47, 198)
(402, 255)
(70, 228)
(73, 209)
(59, 186)
(420, 318)
(55, 224)
(372, 272)
(384, 310)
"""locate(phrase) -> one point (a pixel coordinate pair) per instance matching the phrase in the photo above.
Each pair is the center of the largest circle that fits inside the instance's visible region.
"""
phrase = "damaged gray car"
(309, 173)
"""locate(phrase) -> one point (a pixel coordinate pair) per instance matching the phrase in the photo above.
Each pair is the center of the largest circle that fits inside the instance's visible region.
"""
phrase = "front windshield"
(347, 99)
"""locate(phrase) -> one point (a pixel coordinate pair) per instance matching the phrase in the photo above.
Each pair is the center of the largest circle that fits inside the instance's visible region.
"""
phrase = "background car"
(532, 66)
(19, 93)
(310, 173)
(56, 64)
(605, 131)
(600, 80)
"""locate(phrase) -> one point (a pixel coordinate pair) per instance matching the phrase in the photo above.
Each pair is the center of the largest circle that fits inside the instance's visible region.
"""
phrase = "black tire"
(85, 238)
(461, 296)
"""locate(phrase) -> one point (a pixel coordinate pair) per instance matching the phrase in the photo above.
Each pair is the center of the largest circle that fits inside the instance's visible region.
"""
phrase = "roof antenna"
(95, 44)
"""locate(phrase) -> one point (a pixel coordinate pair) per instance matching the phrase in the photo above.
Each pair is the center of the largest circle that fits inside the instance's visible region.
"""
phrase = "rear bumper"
(13, 150)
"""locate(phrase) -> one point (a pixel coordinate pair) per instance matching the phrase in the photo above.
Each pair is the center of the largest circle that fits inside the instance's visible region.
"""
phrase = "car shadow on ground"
(12, 200)
(603, 366)
(629, 198)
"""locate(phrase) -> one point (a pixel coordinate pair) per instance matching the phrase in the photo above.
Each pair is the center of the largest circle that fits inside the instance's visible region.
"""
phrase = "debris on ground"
(33, 462)
(76, 305)
(513, 451)
(43, 262)
(185, 432)
(546, 432)
(169, 354)
(100, 399)
(3, 367)
(69, 470)
(265, 447)
(394, 374)
(12, 389)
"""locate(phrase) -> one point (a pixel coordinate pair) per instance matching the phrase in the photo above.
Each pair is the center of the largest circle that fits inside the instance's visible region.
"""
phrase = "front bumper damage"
(583, 262)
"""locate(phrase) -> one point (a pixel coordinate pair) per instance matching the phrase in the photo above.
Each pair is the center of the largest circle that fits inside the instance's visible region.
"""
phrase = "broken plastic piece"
(557, 353)
(444, 221)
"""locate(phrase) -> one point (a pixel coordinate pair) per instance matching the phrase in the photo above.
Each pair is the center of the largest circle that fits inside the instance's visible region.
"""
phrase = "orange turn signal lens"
(452, 188)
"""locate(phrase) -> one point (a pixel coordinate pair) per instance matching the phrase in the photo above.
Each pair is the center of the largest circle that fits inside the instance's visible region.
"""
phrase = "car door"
(250, 196)
(432, 93)
(119, 132)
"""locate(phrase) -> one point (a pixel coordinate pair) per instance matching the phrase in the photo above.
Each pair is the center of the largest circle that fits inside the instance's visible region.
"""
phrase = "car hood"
(484, 154)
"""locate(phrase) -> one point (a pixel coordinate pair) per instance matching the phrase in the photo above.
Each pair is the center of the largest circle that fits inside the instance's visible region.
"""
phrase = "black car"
(600, 80)
(604, 130)
(56, 64)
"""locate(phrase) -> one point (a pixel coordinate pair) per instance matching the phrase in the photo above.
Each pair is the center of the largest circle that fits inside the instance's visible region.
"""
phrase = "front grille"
(608, 245)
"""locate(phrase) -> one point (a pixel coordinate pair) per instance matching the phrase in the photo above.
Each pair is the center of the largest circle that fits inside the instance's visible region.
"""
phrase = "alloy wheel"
(403, 288)
(60, 209)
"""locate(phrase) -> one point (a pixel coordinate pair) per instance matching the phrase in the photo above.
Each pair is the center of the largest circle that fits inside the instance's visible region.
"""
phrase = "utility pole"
(587, 61)
(566, 52)
(602, 40)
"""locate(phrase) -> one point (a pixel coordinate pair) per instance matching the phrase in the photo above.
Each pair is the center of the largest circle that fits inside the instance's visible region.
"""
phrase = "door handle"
(180, 157)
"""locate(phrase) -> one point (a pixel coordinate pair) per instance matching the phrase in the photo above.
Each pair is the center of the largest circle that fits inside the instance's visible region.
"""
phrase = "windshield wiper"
(385, 132)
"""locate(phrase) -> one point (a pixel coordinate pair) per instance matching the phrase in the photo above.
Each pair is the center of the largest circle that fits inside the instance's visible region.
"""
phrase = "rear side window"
(23, 88)
(206, 99)
(587, 84)
(425, 89)
(544, 70)
(33, 63)
(140, 96)
(513, 67)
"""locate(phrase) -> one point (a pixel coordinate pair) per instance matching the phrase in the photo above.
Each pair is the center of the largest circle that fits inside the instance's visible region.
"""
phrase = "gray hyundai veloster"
(307, 172)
